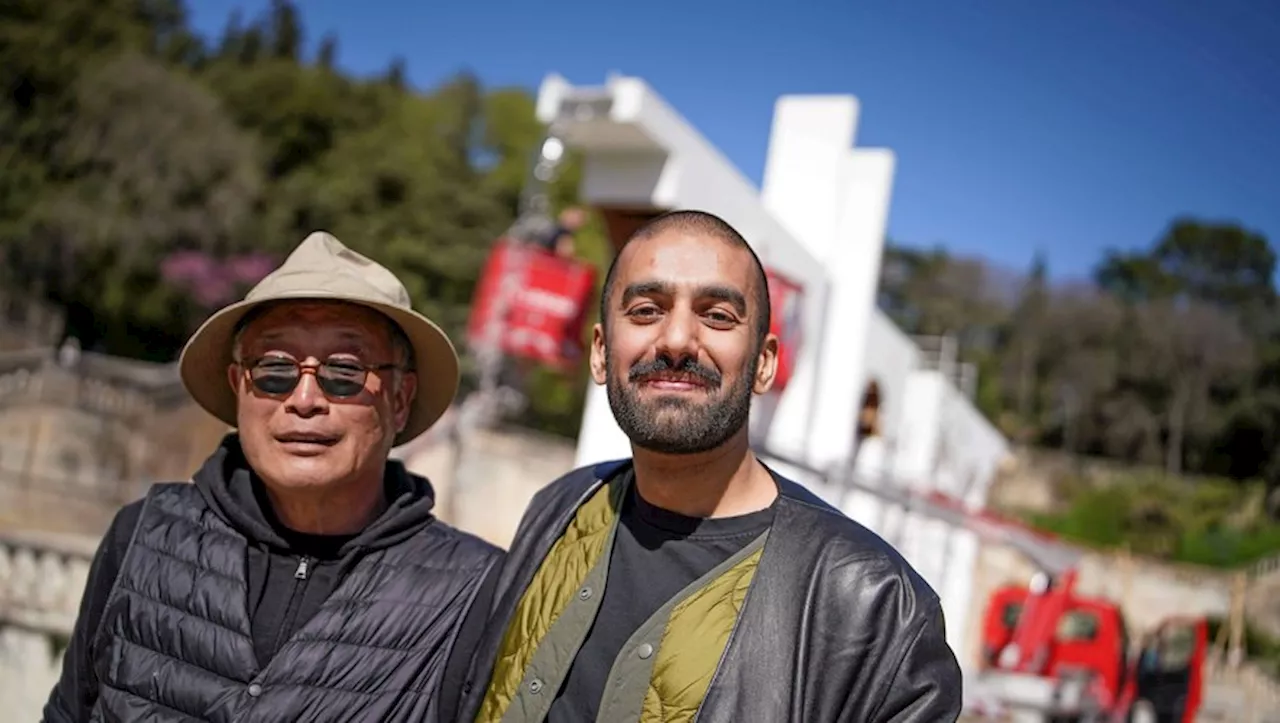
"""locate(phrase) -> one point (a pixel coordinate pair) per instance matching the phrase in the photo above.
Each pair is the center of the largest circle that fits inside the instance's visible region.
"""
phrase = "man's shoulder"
(128, 516)
(569, 488)
(850, 554)
(459, 549)
(170, 493)
(120, 532)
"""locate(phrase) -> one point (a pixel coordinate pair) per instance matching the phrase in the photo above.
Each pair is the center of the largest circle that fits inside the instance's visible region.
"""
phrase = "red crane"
(1050, 654)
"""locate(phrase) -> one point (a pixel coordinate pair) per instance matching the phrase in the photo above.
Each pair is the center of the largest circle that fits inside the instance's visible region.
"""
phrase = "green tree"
(416, 209)
(153, 165)
(285, 30)
(1221, 264)
(44, 46)
(1026, 332)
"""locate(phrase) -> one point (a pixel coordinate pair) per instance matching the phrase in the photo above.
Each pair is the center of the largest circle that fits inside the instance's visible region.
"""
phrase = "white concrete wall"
(804, 188)
(852, 263)
(805, 167)
(891, 357)
(622, 176)
(695, 173)
(918, 430)
(946, 443)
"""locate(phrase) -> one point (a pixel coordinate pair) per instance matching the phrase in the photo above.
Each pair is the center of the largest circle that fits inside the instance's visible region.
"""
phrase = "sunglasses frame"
(247, 367)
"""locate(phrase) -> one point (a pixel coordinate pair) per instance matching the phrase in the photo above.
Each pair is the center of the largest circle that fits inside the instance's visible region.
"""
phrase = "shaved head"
(697, 223)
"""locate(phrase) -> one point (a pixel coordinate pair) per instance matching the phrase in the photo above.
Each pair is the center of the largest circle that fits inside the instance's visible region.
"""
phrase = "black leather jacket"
(836, 626)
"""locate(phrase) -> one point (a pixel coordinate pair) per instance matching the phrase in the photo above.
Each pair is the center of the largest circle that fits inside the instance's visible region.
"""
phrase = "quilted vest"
(175, 641)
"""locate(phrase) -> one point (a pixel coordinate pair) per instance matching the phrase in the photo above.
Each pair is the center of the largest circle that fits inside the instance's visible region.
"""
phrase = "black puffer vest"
(175, 636)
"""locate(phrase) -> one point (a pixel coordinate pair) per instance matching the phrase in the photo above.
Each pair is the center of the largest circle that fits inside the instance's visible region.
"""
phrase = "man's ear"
(766, 365)
(598, 362)
(234, 376)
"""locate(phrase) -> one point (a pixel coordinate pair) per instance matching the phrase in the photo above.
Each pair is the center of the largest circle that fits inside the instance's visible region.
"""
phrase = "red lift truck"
(1052, 655)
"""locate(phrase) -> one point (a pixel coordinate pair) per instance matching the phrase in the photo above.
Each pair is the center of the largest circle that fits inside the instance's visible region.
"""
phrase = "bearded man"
(691, 581)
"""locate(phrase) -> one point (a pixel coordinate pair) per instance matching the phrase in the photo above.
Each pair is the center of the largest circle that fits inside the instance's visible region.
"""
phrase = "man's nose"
(307, 398)
(679, 337)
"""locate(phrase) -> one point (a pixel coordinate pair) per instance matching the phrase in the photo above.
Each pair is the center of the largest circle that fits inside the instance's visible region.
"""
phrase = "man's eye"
(346, 368)
(275, 365)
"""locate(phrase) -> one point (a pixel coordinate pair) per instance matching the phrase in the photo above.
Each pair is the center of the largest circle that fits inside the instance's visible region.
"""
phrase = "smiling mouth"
(307, 440)
(674, 383)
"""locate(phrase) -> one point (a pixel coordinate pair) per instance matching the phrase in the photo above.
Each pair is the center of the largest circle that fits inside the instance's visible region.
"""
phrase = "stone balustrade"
(1239, 694)
(42, 578)
(1267, 570)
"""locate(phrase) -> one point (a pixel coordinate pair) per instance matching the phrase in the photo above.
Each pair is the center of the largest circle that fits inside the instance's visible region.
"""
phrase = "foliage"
(1204, 521)
(1169, 356)
(132, 145)
(152, 174)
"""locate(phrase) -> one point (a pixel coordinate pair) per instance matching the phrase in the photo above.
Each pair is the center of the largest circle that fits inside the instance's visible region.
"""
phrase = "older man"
(302, 577)
(690, 581)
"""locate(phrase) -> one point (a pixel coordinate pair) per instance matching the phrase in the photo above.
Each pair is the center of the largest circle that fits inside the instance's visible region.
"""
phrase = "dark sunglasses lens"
(275, 382)
(275, 376)
(341, 380)
(340, 387)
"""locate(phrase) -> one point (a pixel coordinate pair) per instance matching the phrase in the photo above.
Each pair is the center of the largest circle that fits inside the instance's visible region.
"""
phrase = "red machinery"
(532, 304)
(785, 300)
(1050, 654)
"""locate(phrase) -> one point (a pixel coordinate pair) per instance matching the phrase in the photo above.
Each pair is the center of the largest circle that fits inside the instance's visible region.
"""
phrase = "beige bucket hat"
(323, 269)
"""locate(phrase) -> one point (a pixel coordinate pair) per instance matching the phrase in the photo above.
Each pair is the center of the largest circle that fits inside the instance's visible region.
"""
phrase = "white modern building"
(820, 221)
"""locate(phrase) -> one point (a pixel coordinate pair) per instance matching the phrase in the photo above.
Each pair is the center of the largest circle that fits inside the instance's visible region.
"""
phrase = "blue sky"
(1069, 127)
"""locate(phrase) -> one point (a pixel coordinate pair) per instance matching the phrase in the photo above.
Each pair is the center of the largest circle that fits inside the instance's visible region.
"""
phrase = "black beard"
(674, 425)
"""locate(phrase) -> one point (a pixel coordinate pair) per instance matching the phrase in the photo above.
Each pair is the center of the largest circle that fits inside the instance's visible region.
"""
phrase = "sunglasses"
(338, 378)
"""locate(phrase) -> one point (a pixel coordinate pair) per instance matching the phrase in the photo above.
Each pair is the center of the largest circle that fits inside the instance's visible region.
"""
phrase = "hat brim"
(207, 355)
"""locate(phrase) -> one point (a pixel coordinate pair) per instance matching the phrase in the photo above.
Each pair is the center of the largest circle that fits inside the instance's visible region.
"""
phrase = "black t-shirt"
(656, 554)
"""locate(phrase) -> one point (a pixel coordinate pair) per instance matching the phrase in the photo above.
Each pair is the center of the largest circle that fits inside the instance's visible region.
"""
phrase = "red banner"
(546, 300)
(786, 322)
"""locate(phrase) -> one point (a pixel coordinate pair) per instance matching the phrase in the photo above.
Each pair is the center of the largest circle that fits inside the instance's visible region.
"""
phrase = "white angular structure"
(819, 220)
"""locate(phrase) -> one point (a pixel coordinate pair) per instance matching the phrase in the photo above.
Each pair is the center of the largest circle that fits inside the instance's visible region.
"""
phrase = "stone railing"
(1262, 599)
(1267, 570)
(1239, 694)
(42, 579)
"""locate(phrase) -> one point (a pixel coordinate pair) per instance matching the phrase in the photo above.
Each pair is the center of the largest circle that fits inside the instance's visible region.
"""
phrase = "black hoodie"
(290, 573)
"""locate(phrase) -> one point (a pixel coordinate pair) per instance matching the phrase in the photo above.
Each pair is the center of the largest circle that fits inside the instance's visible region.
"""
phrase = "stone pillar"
(29, 668)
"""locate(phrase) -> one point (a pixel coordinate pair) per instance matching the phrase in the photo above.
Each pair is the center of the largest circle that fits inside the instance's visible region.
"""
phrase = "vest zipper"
(300, 576)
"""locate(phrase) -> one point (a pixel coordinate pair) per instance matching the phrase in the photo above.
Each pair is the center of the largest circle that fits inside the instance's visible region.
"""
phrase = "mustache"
(688, 366)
